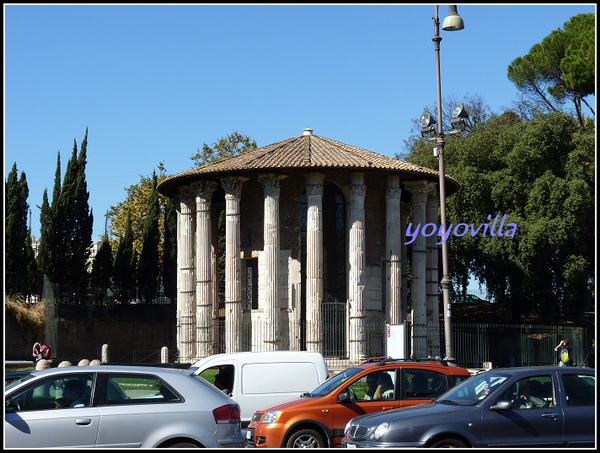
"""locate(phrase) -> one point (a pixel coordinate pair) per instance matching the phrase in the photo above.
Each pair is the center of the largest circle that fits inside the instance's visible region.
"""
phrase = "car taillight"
(230, 413)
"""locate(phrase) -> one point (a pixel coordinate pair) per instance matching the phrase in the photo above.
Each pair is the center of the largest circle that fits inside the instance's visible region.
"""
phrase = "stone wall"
(18, 340)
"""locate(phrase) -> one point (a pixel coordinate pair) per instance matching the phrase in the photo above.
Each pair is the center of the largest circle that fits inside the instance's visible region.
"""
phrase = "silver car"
(119, 406)
(512, 407)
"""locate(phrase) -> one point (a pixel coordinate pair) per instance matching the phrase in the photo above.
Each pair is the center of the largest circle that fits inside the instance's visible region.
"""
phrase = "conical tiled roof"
(306, 152)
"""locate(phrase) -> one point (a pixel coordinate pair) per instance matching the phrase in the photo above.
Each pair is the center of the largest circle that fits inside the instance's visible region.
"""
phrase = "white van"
(259, 379)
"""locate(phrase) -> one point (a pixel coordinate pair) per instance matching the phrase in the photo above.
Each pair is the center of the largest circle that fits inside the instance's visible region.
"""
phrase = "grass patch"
(26, 314)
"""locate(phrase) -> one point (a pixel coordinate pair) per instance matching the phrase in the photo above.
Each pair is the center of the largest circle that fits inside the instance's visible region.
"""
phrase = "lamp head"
(426, 121)
(453, 21)
(459, 112)
(459, 116)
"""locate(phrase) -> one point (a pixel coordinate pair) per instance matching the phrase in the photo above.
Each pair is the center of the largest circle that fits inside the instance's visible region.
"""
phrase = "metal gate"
(334, 328)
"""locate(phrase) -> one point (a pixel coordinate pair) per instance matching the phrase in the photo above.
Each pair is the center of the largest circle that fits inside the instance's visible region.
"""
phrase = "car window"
(221, 376)
(474, 389)
(62, 391)
(530, 393)
(424, 384)
(579, 389)
(377, 385)
(131, 389)
(457, 379)
(333, 383)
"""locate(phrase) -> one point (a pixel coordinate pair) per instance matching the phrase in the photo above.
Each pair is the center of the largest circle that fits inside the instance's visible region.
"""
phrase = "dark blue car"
(510, 407)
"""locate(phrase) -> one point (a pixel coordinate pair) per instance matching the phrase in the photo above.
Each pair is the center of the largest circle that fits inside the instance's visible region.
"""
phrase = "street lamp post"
(452, 22)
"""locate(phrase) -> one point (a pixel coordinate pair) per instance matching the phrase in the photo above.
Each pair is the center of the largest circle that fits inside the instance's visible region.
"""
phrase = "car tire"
(306, 438)
(448, 443)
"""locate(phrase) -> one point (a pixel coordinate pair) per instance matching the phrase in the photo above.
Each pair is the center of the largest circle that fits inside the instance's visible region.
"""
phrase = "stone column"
(204, 278)
(314, 262)
(272, 336)
(233, 264)
(433, 293)
(357, 260)
(404, 211)
(419, 193)
(186, 279)
(393, 240)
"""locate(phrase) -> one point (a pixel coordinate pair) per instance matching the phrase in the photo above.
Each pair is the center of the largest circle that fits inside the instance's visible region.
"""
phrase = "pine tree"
(148, 265)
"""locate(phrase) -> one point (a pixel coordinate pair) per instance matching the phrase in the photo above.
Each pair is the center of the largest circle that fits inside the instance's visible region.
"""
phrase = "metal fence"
(516, 344)
(502, 345)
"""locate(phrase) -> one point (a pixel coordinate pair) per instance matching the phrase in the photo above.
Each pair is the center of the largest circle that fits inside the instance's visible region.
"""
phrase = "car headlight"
(347, 428)
(380, 431)
(270, 417)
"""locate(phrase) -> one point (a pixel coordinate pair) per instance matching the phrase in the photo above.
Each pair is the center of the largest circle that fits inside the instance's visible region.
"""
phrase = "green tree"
(540, 174)
(18, 254)
(148, 268)
(48, 229)
(228, 146)
(561, 67)
(66, 225)
(102, 265)
(135, 206)
(169, 261)
(125, 264)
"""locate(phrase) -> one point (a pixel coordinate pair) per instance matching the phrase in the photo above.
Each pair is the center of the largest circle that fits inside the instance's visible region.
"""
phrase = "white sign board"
(396, 341)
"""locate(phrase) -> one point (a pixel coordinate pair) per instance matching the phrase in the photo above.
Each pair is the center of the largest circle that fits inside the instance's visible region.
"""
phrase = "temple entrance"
(334, 269)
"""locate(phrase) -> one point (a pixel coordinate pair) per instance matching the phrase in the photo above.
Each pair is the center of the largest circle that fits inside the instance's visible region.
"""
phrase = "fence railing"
(473, 344)
(503, 345)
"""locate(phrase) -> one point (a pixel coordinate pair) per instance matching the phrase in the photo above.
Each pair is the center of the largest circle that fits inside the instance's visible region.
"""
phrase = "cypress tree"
(83, 219)
(44, 258)
(48, 262)
(148, 265)
(102, 268)
(124, 264)
(73, 223)
(169, 269)
(17, 255)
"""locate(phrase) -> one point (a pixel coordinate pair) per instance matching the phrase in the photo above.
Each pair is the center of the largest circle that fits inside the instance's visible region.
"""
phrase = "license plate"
(349, 445)
(248, 434)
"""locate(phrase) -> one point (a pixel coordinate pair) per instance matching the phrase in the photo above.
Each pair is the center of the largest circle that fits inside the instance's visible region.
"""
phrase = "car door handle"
(83, 421)
(550, 415)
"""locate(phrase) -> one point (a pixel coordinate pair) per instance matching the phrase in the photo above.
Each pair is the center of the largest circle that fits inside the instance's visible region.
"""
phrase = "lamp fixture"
(426, 121)
(453, 21)
(459, 117)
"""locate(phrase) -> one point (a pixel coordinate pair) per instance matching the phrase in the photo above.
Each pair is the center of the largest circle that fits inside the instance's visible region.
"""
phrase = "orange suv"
(317, 419)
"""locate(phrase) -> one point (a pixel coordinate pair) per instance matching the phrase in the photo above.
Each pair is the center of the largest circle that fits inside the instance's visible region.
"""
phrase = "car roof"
(260, 356)
(110, 368)
(563, 369)
(427, 363)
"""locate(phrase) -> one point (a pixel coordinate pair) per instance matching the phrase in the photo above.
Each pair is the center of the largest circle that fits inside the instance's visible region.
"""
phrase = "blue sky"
(154, 82)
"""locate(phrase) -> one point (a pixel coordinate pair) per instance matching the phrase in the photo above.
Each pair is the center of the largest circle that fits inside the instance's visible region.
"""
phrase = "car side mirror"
(343, 397)
(502, 406)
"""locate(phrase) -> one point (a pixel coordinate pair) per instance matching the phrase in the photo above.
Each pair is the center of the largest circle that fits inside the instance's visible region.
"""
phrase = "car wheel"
(448, 443)
(306, 438)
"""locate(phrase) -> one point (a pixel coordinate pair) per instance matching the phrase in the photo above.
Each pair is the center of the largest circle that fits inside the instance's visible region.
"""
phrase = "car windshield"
(473, 390)
(331, 384)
